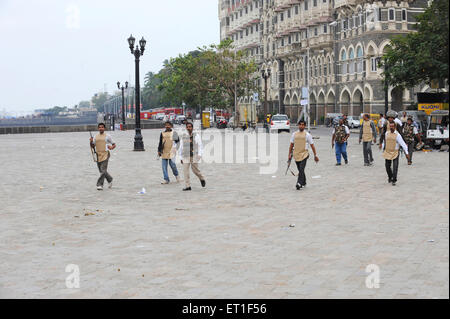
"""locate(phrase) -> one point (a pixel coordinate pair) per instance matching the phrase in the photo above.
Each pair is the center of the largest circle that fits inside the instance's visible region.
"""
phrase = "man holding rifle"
(299, 150)
(102, 143)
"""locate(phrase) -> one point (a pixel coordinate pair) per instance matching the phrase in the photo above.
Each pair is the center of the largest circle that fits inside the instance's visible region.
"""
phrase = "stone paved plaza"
(229, 240)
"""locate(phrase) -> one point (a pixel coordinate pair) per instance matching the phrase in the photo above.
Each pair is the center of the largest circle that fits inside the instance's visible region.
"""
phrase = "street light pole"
(265, 75)
(137, 52)
(123, 102)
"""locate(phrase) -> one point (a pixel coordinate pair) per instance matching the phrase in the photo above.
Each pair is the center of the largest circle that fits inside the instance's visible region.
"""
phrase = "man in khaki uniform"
(191, 151)
(393, 141)
(367, 134)
(103, 144)
(299, 150)
(167, 151)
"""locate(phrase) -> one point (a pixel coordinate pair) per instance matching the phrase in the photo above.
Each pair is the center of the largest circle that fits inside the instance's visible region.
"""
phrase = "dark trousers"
(392, 174)
(301, 172)
(367, 151)
(411, 150)
(103, 169)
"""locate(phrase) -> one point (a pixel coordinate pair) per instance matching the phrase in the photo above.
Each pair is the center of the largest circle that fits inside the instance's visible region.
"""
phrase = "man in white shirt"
(103, 144)
(191, 152)
(391, 118)
(393, 140)
(299, 150)
(341, 133)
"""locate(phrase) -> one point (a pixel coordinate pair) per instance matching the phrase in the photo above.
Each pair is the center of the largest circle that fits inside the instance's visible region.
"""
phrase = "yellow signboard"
(430, 107)
(206, 120)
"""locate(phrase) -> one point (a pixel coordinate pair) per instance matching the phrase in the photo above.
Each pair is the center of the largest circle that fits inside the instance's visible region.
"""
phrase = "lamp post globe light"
(137, 51)
(123, 88)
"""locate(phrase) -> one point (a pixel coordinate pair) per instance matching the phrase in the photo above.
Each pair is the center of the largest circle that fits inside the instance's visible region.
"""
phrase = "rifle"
(289, 168)
(93, 151)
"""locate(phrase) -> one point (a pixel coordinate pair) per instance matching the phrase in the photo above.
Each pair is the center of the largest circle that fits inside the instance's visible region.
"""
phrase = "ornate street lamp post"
(123, 88)
(137, 52)
(265, 75)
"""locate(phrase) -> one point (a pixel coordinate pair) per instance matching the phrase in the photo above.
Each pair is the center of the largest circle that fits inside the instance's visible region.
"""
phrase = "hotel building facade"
(328, 46)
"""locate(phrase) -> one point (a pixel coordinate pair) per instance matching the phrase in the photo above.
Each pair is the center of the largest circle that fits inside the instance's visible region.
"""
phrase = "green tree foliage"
(84, 104)
(151, 95)
(422, 56)
(98, 101)
(208, 77)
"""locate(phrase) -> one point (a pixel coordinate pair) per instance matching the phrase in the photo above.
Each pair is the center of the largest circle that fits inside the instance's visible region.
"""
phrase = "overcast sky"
(59, 52)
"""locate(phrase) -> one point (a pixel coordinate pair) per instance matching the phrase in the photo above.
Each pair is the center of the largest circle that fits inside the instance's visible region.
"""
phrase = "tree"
(84, 104)
(151, 95)
(422, 56)
(98, 101)
(56, 110)
(210, 76)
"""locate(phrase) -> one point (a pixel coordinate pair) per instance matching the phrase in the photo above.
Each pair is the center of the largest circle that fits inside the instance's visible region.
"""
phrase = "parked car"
(160, 116)
(180, 119)
(353, 121)
(280, 123)
(329, 118)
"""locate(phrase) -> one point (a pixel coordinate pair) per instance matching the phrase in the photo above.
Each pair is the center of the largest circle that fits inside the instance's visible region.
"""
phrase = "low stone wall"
(70, 128)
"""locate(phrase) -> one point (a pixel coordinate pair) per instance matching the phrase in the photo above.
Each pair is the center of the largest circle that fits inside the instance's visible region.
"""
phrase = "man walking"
(391, 117)
(367, 134)
(299, 149)
(341, 133)
(409, 132)
(393, 141)
(167, 151)
(103, 144)
(191, 151)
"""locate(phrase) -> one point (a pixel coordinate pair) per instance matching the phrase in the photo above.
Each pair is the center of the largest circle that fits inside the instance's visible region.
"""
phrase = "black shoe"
(346, 162)
(394, 183)
(187, 189)
(203, 183)
(298, 186)
(389, 180)
(338, 164)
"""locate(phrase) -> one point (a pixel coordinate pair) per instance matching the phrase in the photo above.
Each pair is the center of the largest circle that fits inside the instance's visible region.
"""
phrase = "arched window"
(351, 56)
(359, 63)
